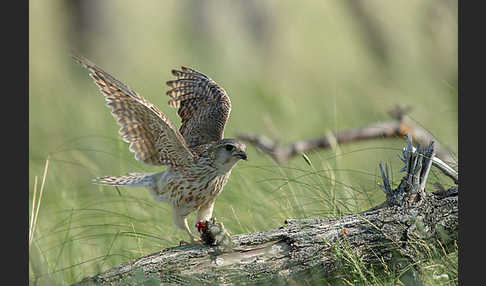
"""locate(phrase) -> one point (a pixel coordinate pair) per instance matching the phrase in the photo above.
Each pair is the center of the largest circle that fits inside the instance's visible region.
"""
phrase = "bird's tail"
(131, 180)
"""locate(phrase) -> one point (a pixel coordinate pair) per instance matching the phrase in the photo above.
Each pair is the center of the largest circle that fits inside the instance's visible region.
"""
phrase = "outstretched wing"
(204, 107)
(152, 137)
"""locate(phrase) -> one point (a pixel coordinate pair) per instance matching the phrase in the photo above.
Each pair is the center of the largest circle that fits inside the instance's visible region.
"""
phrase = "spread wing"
(204, 107)
(152, 137)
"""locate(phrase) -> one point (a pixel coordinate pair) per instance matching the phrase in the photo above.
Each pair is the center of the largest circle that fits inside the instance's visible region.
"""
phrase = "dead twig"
(399, 126)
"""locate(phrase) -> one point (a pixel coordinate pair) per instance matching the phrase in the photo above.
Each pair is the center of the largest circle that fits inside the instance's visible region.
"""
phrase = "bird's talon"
(200, 225)
(182, 243)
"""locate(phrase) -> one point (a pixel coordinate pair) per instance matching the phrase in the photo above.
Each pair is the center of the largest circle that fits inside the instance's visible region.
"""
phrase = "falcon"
(199, 159)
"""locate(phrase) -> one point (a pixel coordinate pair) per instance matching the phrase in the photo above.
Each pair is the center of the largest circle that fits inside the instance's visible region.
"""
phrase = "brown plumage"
(199, 159)
(204, 107)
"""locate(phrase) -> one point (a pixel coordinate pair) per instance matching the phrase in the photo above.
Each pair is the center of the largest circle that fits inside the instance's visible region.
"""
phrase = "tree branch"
(399, 126)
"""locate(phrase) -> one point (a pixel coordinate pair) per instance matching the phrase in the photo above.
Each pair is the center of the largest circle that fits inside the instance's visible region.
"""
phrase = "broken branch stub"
(411, 189)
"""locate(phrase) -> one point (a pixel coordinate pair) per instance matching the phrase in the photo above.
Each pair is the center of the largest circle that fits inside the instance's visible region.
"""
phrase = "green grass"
(432, 264)
(311, 72)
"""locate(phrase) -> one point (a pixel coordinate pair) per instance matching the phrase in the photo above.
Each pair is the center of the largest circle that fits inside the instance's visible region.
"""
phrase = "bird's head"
(227, 152)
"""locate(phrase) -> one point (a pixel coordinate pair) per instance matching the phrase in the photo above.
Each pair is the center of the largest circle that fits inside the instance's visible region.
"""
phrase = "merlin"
(199, 160)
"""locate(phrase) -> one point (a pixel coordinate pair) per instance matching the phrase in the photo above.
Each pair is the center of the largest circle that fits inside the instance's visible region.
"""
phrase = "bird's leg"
(204, 214)
(181, 222)
(211, 232)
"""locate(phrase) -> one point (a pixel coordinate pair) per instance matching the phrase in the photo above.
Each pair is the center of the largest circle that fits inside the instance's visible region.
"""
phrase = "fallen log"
(302, 247)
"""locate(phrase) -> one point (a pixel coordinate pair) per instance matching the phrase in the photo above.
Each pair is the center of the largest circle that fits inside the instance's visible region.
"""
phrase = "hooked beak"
(241, 155)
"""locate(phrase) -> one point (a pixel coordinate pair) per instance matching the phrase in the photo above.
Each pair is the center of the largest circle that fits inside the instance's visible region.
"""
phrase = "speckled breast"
(196, 189)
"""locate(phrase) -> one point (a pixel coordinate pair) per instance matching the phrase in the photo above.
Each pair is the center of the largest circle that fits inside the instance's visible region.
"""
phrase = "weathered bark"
(298, 247)
(304, 246)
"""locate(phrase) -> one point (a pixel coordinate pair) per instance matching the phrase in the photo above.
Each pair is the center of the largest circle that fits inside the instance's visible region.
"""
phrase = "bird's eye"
(230, 147)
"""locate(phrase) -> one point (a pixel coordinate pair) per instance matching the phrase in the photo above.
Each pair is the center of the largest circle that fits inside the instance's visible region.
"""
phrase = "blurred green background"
(293, 70)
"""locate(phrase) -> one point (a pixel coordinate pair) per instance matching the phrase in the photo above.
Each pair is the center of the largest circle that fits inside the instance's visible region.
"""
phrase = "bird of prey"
(199, 159)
